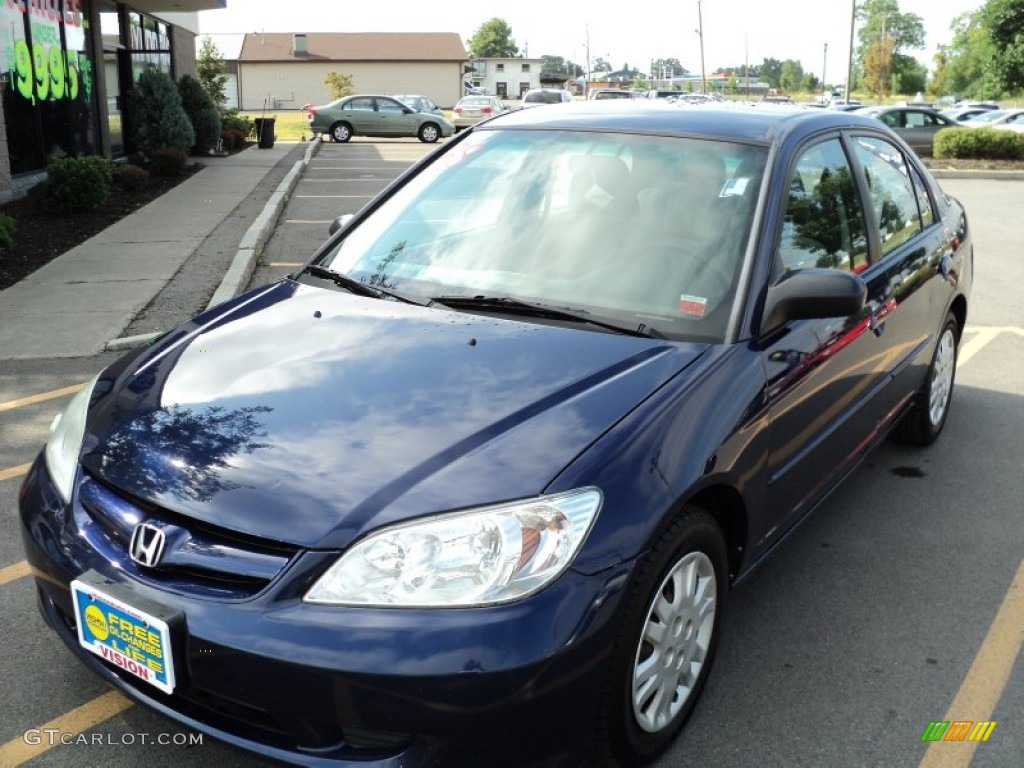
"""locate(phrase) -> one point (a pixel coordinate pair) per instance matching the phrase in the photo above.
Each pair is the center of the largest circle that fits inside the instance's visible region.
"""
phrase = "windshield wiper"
(357, 286)
(509, 305)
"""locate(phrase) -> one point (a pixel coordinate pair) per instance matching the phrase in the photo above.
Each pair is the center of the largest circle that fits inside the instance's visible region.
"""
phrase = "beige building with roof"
(286, 71)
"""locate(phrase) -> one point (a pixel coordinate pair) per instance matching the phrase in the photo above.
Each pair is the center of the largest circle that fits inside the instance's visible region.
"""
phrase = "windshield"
(543, 97)
(989, 117)
(638, 230)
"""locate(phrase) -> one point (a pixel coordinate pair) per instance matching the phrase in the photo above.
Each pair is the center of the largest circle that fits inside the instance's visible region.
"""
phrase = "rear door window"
(898, 203)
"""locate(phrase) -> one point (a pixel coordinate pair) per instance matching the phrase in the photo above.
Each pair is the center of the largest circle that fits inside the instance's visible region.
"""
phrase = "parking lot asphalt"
(898, 604)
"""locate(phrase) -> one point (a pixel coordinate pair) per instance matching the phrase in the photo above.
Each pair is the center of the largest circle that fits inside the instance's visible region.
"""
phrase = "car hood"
(309, 416)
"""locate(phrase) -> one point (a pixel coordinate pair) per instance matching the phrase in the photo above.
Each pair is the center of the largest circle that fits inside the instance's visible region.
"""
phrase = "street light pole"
(700, 32)
(849, 62)
(824, 62)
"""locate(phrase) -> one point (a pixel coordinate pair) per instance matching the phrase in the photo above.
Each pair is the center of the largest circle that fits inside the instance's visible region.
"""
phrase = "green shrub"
(979, 143)
(230, 119)
(131, 177)
(80, 183)
(160, 120)
(169, 161)
(7, 227)
(202, 113)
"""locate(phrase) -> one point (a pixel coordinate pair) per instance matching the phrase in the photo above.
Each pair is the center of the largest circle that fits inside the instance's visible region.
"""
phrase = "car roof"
(720, 120)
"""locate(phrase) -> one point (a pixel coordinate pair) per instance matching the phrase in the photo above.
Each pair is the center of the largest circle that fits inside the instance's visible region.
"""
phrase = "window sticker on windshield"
(693, 306)
(735, 187)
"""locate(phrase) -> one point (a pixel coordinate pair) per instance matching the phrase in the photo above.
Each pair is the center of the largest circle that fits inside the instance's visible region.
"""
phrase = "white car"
(470, 110)
(995, 118)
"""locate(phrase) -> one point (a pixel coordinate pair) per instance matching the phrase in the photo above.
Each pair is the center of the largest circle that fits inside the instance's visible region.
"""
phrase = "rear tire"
(924, 421)
(666, 645)
(341, 132)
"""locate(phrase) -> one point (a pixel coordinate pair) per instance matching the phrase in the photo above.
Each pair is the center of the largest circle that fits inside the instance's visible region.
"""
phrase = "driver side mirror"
(812, 293)
(339, 222)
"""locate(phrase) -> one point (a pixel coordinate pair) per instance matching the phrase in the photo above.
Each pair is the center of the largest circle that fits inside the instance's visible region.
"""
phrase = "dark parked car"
(538, 96)
(602, 94)
(472, 487)
(915, 125)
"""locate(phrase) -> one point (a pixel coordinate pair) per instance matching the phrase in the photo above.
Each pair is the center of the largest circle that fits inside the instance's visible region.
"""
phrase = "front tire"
(924, 421)
(341, 132)
(666, 646)
(429, 133)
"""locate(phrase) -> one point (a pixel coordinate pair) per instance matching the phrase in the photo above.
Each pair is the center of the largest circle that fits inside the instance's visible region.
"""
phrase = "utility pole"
(824, 62)
(849, 62)
(586, 75)
(700, 32)
(746, 63)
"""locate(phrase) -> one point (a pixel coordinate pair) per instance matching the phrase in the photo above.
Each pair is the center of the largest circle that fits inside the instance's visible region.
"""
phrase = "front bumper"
(321, 685)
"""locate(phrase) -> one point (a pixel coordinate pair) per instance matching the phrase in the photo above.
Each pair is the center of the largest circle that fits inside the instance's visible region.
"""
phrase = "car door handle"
(877, 320)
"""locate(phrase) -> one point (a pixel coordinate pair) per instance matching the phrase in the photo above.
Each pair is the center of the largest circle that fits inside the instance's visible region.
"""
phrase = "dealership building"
(65, 67)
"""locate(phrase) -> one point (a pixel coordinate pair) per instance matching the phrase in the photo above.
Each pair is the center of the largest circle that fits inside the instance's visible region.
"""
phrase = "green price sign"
(45, 72)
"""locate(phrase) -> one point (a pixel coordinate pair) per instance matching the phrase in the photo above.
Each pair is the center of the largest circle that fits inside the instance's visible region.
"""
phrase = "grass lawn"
(293, 125)
(290, 125)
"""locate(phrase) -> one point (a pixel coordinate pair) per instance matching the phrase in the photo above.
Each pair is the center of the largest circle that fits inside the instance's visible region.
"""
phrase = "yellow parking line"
(18, 471)
(80, 719)
(982, 688)
(12, 404)
(12, 572)
(977, 342)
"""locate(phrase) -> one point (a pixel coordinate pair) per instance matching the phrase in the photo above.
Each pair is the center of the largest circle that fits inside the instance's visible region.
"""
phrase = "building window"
(150, 43)
(526, 67)
(499, 67)
(48, 84)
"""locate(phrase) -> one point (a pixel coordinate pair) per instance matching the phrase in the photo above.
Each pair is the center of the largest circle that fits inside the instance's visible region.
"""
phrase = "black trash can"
(265, 132)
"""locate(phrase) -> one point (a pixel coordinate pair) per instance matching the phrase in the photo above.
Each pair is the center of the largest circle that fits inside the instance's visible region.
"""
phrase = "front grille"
(198, 558)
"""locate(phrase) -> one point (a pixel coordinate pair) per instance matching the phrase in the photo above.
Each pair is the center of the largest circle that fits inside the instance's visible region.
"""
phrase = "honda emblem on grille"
(147, 545)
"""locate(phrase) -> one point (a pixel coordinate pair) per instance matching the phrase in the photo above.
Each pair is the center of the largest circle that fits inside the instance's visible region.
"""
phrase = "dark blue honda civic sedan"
(471, 488)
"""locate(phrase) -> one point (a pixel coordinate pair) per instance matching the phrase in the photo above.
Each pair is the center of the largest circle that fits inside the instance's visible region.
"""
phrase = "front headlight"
(65, 440)
(472, 558)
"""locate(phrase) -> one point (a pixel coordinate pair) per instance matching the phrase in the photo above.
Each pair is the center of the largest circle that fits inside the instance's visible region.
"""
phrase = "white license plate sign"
(123, 635)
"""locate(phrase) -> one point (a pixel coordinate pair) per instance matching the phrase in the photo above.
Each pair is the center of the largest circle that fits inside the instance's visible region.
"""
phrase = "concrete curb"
(251, 246)
(939, 173)
(130, 342)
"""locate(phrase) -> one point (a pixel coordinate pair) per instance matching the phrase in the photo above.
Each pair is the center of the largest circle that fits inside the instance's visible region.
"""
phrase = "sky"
(735, 31)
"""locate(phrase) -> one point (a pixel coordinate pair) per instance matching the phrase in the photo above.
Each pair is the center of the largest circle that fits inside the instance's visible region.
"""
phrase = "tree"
(663, 69)
(966, 63)
(877, 66)
(791, 75)
(210, 72)
(1004, 22)
(810, 83)
(558, 65)
(493, 40)
(202, 113)
(339, 85)
(911, 75)
(160, 120)
(600, 65)
(770, 72)
(885, 34)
